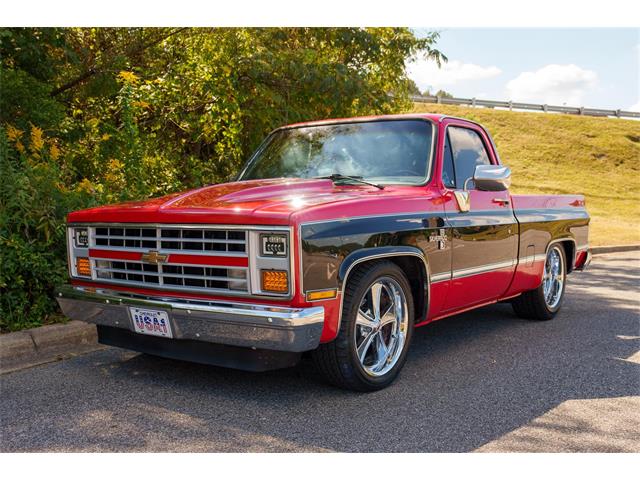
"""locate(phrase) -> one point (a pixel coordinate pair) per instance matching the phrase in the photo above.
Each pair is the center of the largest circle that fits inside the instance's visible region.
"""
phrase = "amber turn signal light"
(276, 281)
(83, 266)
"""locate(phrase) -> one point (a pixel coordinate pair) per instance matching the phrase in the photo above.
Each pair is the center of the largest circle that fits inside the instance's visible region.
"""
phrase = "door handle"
(501, 201)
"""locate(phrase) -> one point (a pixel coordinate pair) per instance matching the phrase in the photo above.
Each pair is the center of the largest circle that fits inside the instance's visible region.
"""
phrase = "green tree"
(440, 93)
(96, 115)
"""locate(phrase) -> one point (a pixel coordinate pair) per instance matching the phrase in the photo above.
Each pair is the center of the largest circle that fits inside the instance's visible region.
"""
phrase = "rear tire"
(544, 302)
(375, 331)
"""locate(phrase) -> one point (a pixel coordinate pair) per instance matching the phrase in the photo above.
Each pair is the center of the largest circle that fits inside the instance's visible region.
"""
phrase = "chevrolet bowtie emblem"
(154, 257)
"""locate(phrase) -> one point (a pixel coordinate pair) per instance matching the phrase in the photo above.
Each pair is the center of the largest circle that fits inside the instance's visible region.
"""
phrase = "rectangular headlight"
(81, 237)
(273, 245)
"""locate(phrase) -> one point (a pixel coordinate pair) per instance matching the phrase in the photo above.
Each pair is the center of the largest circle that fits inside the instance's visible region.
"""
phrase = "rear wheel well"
(569, 253)
(414, 268)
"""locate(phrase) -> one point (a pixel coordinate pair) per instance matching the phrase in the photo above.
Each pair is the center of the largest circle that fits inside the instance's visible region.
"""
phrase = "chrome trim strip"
(440, 277)
(246, 325)
(467, 272)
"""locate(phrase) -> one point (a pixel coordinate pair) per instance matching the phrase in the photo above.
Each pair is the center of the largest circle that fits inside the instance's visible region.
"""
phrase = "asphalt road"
(484, 381)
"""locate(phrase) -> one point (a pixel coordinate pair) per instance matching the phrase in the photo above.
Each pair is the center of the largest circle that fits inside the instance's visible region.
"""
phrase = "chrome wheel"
(553, 279)
(381, 326)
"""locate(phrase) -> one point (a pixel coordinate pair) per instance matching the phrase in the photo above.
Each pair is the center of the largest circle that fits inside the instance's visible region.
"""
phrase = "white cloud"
(553, 84)
(635, 107)
(427, 75)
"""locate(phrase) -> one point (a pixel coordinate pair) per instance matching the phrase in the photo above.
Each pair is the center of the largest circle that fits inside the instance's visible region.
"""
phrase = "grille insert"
(202, 240)
(173, 276)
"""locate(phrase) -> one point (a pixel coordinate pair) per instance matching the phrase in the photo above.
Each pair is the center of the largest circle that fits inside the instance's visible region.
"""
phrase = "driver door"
(485, 238)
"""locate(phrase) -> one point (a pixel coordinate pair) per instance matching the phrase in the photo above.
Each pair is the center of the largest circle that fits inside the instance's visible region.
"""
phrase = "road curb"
(45, 344)
(614, 249)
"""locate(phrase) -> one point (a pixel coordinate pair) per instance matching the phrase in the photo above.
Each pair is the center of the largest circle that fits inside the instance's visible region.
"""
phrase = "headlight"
(273, 245)
(81, 237)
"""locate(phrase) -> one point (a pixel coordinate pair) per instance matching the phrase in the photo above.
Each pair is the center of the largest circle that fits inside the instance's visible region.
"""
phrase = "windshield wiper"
(338, 176)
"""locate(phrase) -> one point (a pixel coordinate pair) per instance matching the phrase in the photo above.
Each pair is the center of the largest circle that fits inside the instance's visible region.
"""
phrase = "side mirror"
(491, 178)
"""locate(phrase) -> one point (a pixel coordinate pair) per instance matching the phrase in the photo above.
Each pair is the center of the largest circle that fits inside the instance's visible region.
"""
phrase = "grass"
(560, 154)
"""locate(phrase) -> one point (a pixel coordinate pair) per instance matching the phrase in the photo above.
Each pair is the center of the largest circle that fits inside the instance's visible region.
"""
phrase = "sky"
(589, 67)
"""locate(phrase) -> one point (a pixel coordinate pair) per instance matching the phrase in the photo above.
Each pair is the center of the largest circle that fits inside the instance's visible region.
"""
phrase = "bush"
(33, 204)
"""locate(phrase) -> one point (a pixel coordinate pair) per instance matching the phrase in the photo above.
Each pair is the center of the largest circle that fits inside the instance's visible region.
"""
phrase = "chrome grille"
(190, 277)
(198, 240)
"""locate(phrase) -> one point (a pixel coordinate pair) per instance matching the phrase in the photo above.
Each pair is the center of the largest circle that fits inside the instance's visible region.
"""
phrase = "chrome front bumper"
(243, 325)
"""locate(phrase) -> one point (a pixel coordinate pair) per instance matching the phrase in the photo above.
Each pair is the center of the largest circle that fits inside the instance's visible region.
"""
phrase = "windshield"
(387, 152)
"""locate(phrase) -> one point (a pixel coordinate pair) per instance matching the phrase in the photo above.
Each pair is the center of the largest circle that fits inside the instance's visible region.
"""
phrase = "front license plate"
(151, 322)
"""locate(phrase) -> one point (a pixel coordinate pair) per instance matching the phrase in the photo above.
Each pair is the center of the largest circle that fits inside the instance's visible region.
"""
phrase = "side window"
(468, 151)
(448, 174)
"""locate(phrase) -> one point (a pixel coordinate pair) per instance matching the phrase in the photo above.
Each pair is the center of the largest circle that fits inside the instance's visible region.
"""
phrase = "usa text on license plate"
(151, 322)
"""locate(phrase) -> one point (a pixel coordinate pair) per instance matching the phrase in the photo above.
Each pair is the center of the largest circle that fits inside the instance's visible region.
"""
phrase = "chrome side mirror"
(491, 178)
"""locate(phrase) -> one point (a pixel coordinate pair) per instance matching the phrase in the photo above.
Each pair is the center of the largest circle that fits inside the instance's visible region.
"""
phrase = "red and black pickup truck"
(338, 238)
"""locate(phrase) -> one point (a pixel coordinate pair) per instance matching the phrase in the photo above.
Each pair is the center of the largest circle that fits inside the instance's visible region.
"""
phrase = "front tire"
(375, 332)
(544, 302)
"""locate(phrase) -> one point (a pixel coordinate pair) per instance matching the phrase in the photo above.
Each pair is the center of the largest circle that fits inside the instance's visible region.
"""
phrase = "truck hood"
(251, 202)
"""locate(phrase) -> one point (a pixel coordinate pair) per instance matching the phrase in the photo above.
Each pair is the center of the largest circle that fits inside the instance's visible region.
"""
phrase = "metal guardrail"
(474, 102)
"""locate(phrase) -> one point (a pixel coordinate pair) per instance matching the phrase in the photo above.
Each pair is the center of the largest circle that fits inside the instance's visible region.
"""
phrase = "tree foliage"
(440, 93)
(96, 115)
